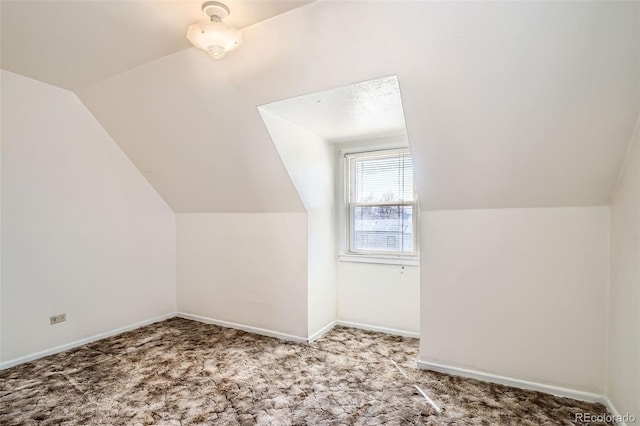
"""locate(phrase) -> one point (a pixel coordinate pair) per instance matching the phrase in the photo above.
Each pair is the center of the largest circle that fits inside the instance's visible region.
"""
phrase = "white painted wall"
(519, 293)
(623, 381)
(386, 296)
(322, 268)
(245, 268)
(1, 104)
(310, 161)
(83, 232)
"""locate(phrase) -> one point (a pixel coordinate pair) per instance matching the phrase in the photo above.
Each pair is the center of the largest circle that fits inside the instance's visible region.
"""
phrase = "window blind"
(382, 203)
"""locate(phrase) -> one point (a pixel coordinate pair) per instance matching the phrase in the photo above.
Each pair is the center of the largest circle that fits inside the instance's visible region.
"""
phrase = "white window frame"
(344, 214)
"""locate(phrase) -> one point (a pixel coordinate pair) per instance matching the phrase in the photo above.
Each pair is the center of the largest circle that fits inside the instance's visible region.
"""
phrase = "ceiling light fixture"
(214, 37)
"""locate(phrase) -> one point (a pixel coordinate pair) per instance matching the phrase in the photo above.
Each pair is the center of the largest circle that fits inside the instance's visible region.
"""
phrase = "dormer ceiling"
(507, 104)
(364, 110)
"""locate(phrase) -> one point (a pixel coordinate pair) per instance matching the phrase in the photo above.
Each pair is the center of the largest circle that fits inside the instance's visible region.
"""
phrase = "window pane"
(382, 179)
(383, 229)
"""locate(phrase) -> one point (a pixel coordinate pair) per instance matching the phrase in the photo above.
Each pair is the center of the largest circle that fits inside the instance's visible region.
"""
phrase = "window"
(381, 203)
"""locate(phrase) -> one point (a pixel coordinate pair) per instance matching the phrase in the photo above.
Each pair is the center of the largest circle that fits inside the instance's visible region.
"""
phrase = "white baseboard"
(77, 343)
(613, 410)
(324, 330)
(516, 383)
(247, 328)
(378, 329)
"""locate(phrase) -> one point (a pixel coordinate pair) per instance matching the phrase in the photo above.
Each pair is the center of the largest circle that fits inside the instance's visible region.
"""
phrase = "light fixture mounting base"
(215, 9)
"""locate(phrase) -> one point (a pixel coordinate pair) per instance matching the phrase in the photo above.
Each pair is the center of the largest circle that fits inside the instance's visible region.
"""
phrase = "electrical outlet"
(55, 319)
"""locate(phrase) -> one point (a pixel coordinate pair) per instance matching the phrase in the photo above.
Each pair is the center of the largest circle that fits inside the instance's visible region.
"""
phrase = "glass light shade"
(215, 38)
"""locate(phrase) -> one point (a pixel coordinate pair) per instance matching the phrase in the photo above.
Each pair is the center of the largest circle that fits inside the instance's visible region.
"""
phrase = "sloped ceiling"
(74, 43)
(507, 104)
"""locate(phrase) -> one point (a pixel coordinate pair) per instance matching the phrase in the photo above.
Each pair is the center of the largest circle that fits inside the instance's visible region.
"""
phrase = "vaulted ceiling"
(507, 104)
(72, 43)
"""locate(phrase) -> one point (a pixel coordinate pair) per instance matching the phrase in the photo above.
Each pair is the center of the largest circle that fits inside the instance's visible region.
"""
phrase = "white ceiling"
(357, 111)
(72, 44)
(507, 104)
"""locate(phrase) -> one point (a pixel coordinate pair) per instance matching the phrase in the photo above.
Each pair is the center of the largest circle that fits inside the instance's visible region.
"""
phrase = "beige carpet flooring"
(180, 372)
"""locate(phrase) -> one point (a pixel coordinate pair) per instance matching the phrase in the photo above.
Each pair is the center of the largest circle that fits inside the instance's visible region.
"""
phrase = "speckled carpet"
(180, 372)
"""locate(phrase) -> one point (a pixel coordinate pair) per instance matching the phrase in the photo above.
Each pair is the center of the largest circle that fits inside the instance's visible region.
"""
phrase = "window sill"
(380, 259)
